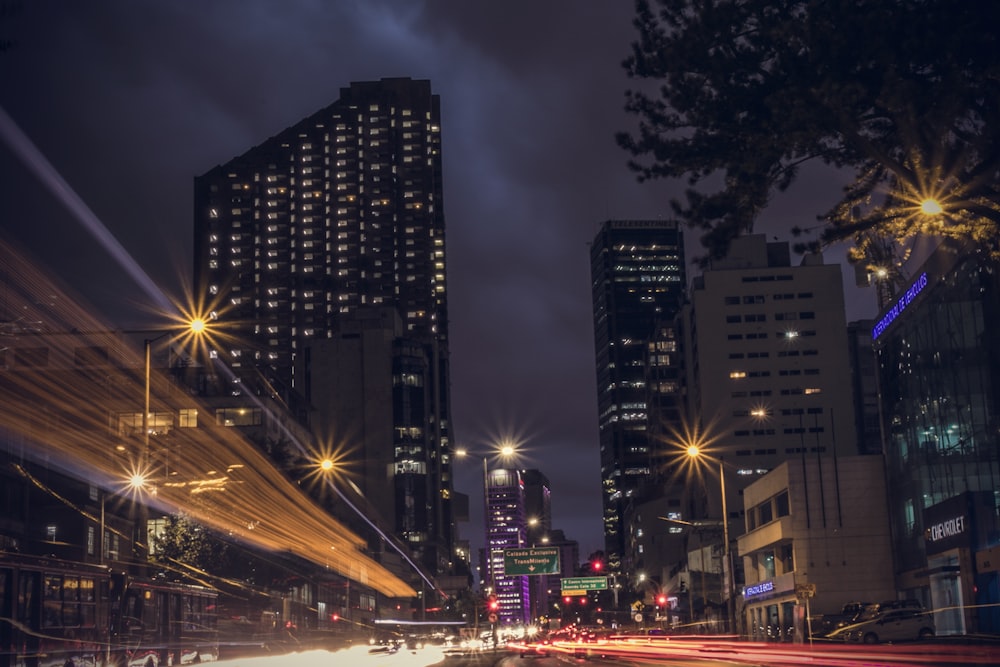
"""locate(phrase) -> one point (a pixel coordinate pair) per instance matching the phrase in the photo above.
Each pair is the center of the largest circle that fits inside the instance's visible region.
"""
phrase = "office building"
(939, 385)
(304, 245)
(767, 366)
(638, 280)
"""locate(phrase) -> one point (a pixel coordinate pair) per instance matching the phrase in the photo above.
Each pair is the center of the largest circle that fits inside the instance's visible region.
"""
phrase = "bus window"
(52, 601)
(71, 602)
(88, 603)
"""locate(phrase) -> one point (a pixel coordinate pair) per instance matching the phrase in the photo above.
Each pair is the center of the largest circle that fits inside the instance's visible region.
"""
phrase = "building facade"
(817, 538)
(299, 241)
(638, 280)
(506, 528)
(939, 384)
(767, 375)
(766, 360)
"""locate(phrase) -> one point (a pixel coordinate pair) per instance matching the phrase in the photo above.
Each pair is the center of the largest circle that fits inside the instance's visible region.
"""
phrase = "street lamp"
(694, 452)
(135, 485)
(196, 327)
(931, 206)
(505, 452)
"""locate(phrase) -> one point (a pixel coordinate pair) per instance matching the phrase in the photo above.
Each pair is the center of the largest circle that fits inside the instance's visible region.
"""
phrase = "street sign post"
(536, 560)
(583, 584)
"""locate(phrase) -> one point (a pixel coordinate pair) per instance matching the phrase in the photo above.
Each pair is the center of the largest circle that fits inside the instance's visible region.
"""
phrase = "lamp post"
(695, 452)
(505, 452)
(196, 327)
(135, 485)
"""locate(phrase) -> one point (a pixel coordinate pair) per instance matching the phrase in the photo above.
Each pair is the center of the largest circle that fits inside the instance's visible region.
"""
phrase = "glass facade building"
(939, 382)
(638, 282)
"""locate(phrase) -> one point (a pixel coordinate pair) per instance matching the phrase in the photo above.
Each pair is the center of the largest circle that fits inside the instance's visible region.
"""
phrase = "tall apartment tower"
(638, 279)
(767, 366)
(301, 245)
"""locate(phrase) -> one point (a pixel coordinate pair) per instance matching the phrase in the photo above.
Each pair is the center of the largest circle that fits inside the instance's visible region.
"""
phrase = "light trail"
(47, 174)
(705, 648)
(39, 165)
(74, 400)
(357, 656)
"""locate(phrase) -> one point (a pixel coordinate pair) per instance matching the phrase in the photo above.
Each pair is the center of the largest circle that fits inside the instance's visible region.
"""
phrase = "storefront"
(771, 612)
(950, 538)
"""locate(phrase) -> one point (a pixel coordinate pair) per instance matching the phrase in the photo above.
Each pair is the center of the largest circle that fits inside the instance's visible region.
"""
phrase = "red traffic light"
(597, 566)
(661, 600)
(493, 604)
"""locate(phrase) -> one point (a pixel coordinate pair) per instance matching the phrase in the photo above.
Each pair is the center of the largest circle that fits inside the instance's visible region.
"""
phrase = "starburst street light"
(505, 450)
(931, 206)
(697, 454)
(195, 327)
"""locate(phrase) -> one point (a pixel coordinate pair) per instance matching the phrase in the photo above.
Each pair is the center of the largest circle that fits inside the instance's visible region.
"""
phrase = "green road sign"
(584, 584)
(537, 560)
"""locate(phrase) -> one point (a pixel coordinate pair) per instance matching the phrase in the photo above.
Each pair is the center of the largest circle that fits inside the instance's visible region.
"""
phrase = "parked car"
(825, 626)
(889, 623)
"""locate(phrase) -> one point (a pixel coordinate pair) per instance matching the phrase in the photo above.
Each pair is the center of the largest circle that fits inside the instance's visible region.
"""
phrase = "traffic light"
(596, 565)
(493, 604)
(661, 600)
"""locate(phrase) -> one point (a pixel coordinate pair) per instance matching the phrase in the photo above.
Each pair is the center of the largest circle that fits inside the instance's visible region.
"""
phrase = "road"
(706, 654)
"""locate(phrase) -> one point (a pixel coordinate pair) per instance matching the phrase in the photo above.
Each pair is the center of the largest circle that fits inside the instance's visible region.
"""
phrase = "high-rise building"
(638, 281)
(302, 244)
(766, 361)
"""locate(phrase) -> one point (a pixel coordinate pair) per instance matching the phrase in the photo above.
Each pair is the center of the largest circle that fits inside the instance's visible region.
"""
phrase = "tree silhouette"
(905, 94)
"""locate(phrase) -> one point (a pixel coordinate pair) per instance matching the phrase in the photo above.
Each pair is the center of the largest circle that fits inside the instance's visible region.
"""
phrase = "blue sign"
(758, 589)
(897, 308)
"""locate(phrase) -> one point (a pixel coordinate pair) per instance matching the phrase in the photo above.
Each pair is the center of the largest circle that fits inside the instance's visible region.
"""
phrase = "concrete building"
(817, 537)
(767, 374)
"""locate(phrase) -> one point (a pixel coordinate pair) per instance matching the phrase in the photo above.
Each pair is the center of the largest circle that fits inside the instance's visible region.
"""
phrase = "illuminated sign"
(758, 589)
(897, 308)
(953, 527)
(951, 524)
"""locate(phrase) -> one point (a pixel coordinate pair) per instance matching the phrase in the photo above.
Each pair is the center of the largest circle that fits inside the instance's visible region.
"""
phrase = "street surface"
(677, 653)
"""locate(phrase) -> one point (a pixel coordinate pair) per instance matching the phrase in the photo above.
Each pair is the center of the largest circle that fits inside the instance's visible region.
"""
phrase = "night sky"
(129, 100)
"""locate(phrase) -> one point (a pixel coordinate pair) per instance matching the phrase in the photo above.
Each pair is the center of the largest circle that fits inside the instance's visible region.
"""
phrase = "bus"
(58, 613)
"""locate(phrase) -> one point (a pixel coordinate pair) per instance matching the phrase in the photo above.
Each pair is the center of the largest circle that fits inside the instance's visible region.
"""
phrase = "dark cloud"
(130, 99)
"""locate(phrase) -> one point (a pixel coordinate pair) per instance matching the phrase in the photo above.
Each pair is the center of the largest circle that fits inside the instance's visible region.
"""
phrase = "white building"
(817, 528)
(767, 361)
